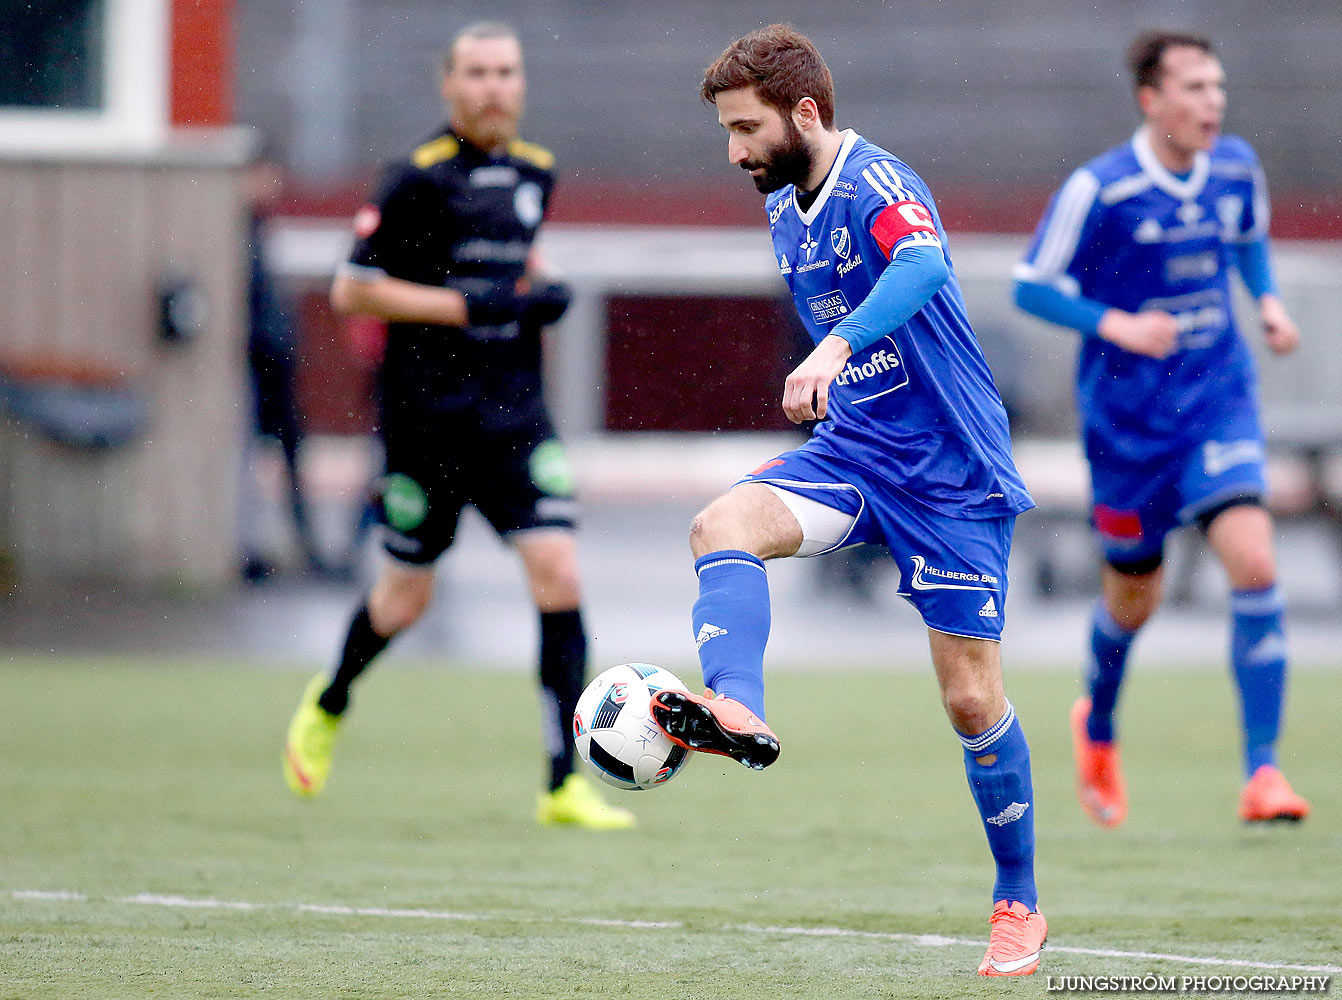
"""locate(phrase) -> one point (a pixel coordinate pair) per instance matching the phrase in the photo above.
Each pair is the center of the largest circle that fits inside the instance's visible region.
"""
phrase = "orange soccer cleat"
(719, 725)
(1017, 938)
(1269, 796)
(1099, 772)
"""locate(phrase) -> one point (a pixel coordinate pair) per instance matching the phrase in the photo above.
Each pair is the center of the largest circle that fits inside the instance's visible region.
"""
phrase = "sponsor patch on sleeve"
(901, 220)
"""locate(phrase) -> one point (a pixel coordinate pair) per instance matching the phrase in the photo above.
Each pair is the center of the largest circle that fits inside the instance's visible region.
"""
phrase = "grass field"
(151, 794)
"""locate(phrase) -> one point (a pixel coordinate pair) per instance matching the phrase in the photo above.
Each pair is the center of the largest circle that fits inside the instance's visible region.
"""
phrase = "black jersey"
(457, 216)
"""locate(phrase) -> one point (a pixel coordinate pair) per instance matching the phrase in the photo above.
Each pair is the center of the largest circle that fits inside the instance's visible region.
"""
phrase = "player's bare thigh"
(750, 518)
(550, 557)
(969, 672)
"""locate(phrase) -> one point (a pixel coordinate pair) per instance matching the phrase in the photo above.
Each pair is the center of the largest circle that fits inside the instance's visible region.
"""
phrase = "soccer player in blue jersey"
(1135, 251)
(911, 452)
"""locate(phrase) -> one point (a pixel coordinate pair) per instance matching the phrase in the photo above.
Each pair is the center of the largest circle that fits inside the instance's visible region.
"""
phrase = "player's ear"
(1146, 100)
(805, 113)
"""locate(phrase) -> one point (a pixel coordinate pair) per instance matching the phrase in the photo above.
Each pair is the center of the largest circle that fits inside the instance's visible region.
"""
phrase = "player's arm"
(366, 293)
(388, 233)
(1254, 262)
(907, 284)
(1046, 288)
(479, 303)
(1151, 332)
(906, 234)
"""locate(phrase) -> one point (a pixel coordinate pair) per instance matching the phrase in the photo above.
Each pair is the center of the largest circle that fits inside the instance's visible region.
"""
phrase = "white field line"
(917, 940)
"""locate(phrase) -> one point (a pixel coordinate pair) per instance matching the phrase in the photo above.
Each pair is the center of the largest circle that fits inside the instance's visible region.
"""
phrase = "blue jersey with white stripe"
(918, 408)
(1125, 232)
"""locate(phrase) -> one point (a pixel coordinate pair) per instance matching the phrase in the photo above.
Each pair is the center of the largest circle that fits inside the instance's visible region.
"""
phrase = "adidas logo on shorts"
(989, 609)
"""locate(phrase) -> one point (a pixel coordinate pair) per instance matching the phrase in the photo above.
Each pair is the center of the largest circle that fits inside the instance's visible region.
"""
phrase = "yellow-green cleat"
(577, 803)
(307, 747)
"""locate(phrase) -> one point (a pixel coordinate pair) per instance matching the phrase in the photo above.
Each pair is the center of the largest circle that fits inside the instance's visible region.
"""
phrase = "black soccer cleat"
(715, 725)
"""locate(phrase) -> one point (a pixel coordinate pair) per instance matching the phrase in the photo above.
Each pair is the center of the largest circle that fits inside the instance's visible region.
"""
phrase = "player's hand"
(489, 303)
(1151, 332)
(544, 302)
(1279, 330)
(806, 391)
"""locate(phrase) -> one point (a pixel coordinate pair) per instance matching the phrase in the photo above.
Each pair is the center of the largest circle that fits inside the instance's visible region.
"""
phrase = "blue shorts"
(953, 570)
(1138, 504)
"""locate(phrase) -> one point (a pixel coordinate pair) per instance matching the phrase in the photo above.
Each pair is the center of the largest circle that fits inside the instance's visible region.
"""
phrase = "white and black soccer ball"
(615, 733)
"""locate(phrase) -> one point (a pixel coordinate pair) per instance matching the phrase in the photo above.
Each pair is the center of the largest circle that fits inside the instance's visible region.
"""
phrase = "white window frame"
(134, 112)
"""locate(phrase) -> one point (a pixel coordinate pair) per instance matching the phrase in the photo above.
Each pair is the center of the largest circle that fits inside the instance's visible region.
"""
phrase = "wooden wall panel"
(89, 243)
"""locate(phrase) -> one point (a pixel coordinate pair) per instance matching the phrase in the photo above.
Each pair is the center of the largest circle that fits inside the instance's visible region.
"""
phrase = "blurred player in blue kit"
(911, 452)
(1135, 251)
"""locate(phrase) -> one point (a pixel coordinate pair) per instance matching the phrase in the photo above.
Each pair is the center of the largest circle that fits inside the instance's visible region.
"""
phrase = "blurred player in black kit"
(442, 257)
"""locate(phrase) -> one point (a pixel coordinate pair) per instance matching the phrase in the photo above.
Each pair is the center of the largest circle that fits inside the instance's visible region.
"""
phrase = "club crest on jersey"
(1229, 209)
(529, 203)
(841, 241)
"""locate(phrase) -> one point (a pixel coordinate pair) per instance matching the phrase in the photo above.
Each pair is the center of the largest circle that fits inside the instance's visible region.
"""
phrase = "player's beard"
(488, 127)
(789, 162)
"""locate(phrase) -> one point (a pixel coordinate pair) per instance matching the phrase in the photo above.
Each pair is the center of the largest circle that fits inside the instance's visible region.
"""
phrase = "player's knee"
(1131, 600)
(1130, 612)
(971, 708)
(1252, 572)
(706, 530)
(394, 608)
(556, 586)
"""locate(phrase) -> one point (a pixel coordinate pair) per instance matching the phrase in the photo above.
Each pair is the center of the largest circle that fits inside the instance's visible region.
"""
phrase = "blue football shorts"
(1138, 503)
(953, 570)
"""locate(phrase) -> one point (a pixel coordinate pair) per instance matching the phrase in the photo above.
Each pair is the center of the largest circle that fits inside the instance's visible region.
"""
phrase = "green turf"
(118, 778)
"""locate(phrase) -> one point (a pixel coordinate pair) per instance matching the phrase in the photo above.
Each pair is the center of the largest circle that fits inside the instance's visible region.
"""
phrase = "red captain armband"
(903, 218)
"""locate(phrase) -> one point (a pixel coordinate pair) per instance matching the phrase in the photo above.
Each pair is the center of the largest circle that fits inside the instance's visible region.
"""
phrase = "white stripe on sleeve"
(1063, 232)
(889, 175)
(1262, 208)
(878, 186)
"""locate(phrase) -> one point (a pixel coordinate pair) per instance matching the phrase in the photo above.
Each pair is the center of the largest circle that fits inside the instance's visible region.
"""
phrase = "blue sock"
(1004, 794)
(1109, 645)
(1258, 659)
(731, 625)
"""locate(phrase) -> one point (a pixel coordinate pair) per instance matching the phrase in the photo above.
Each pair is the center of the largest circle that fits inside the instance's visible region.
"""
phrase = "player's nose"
(736, 151)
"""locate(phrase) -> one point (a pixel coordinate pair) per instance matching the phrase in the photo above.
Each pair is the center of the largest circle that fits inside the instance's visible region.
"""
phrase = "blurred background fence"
(126, 126)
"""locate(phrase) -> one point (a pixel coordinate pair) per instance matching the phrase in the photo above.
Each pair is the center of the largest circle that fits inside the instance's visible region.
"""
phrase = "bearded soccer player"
(911, 453)
(1135, 252)
(442, 257)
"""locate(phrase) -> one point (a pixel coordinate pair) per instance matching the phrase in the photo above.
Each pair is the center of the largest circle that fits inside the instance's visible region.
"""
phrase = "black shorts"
(518, 480)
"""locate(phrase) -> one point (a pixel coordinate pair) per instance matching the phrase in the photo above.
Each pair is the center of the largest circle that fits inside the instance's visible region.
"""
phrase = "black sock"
(362, 644)
(563, 664)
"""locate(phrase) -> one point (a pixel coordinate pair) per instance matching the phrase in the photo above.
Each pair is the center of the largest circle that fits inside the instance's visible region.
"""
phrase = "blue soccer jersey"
(917, 409)
(1125, 232)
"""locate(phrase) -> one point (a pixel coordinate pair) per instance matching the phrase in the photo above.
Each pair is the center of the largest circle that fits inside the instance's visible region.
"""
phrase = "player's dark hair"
(480, 29)
(781, 64)
(1148, 48)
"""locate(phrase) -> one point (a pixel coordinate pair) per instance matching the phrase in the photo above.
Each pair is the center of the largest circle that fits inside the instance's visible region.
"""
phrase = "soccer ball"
(615, 733)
